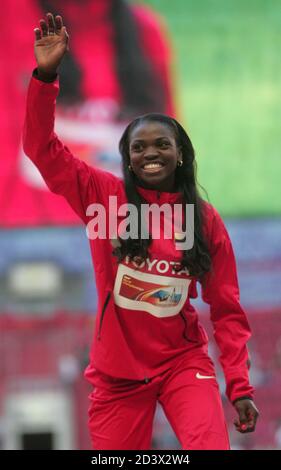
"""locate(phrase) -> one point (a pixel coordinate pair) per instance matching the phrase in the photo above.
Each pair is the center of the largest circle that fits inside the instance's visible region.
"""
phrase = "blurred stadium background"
(226, 79)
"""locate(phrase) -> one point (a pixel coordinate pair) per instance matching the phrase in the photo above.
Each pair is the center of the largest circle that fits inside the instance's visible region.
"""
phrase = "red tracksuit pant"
(122, 411)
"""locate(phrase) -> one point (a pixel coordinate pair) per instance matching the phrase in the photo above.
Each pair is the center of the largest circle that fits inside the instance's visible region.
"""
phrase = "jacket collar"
(159, 197)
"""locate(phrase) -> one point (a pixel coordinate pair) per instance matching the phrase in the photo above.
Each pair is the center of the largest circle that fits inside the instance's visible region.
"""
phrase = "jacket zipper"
(184, 333)
(102, 313)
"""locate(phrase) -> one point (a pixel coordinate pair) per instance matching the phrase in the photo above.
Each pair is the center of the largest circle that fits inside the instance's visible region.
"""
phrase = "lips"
(152, 167)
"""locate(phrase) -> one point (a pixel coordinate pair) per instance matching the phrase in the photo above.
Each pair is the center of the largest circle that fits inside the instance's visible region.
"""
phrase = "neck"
(167, 187)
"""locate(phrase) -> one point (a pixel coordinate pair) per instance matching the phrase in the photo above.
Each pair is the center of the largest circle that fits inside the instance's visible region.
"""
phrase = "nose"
(150, 153)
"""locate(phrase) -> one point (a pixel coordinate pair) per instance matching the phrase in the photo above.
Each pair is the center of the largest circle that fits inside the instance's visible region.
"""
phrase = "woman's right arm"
(64, 174)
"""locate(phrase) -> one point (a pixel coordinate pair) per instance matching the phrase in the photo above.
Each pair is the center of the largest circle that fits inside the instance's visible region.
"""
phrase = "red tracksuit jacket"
(145, 320)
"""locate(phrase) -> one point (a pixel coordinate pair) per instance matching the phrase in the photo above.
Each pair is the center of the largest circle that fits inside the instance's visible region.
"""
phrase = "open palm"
(51, 43)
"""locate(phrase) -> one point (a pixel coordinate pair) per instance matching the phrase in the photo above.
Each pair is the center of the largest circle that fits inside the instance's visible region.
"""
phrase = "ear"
(180, 152)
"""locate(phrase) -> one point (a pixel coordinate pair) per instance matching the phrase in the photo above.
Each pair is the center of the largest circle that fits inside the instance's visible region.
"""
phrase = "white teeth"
(153, 165)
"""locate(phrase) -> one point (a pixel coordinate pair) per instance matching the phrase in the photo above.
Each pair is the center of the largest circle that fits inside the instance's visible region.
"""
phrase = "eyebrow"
(143, 141)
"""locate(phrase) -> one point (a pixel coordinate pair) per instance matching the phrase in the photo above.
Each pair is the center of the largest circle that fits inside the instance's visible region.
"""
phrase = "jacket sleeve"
(220, 290)
(63, 173)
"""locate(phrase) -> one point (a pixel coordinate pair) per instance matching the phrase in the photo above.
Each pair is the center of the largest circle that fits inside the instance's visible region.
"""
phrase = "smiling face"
(154, 155)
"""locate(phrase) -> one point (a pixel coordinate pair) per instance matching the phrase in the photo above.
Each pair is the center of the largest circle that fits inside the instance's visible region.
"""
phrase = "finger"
(65, 32)
(252, 413)
(67, 37)
(44, 27)
(252, 419)
(51, 23)
(59, 23)
(242, 418)
(251, 425)
(37, 33)
(241, 427)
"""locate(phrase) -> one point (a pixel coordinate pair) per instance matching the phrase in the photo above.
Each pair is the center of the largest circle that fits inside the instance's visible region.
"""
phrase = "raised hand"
(51, 44)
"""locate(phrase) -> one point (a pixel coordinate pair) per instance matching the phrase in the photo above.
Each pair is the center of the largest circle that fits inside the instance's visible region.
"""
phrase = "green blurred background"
(228, 69)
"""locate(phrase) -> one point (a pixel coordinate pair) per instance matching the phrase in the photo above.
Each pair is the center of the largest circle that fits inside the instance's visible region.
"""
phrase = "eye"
(164, 144)
(136, 148)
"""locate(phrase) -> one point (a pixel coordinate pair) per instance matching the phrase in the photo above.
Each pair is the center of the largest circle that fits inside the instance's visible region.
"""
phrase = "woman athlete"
(148, 345)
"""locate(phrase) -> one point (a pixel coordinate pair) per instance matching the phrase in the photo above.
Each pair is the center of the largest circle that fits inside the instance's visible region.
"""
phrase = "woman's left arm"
(220, 290)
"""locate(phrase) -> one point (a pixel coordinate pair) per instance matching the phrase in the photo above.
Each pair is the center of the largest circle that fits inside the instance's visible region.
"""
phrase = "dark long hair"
(197, 259)
(142, 90)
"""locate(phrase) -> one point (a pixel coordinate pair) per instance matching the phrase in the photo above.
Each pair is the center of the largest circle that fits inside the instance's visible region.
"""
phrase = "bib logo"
(159, 266)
